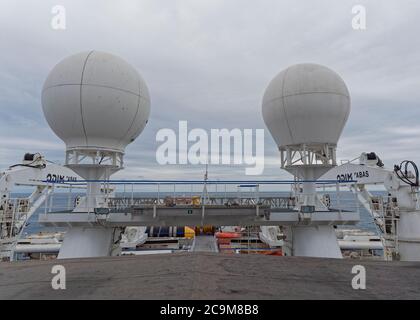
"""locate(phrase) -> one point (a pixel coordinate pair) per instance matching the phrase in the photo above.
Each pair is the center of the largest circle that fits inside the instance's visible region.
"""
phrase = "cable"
(402, 172)
(52, 162)
(29, 165)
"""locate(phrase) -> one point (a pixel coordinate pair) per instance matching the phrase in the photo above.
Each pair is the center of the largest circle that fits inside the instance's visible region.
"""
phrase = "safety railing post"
(338, 196)
(69, 197)
(132, 194)
(51, 199)
(124, 196)
(356, 196)
(13, 217)
(47, 197)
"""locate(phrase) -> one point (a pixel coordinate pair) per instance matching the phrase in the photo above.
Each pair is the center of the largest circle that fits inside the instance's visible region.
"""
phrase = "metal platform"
(204, 244)
(272, 202)
(209, 276)
(181, 215)
(244, 208)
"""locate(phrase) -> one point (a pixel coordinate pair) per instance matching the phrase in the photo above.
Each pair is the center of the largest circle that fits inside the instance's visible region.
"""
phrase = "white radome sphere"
(306, 104)
(95, 100)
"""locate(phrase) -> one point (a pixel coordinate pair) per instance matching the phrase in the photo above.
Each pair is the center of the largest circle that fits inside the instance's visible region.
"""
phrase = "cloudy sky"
(209, 62)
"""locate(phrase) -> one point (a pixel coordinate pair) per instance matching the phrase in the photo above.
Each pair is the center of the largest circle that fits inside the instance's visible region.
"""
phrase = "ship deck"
(209, 276)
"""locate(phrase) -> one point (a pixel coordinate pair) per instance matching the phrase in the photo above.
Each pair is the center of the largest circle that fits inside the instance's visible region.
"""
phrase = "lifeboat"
(277, 252)
(227, 235)
(224, 237)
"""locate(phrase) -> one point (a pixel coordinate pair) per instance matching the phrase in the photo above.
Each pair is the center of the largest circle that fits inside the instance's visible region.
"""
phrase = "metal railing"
(124, 194)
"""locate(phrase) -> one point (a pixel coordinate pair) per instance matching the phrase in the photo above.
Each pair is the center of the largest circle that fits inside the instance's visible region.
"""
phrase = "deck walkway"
(209, 276)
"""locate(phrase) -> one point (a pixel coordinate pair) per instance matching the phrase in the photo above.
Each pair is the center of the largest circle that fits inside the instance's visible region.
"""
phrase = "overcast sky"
(209, 62)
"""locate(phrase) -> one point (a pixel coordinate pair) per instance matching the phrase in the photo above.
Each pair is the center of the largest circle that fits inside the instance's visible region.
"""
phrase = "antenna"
(205, 194)
(305, 108)
(97, 104)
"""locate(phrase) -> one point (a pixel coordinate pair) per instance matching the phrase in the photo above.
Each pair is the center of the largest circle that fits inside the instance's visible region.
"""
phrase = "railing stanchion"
(51, 199)
(132, 194)
(356, 193)
(47, 196)
(69, 198)
(174, 193)
(338, 196)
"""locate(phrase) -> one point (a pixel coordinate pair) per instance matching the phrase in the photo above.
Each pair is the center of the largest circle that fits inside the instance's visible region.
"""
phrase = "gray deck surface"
(205, 244)
(209, 276)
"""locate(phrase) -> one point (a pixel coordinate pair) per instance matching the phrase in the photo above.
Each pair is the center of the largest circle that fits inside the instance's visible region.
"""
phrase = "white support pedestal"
(408, 225)
(92, 165)
(315, 241)
(308, 163)
(82, 242)
(409, 236)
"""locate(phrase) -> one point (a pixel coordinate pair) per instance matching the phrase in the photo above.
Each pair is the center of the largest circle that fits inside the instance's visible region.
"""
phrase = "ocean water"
(63, 200)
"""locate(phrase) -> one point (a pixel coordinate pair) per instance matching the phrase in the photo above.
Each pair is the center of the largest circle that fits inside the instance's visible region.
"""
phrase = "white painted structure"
(97, 104)
(305, 107)
(398, 219)
(34, 171)
(95, 101)
(306, 104)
